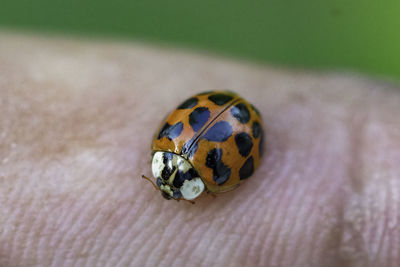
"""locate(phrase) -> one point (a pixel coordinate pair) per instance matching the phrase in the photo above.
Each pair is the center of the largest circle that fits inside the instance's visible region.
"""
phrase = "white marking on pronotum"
(157, 165)
(177, 161)
(192, 188)
(183, 164)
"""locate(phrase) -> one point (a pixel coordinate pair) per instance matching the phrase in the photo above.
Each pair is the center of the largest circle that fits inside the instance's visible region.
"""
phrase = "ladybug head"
(175, 177)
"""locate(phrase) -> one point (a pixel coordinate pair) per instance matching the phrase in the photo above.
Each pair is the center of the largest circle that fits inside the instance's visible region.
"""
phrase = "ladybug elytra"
(211, 142)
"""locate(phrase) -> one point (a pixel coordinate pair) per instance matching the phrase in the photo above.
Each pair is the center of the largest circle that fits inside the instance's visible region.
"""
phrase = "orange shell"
(238, 154)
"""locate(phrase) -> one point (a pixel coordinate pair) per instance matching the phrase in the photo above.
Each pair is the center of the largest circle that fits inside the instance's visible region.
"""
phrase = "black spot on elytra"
(221, 172)
(220, 99)
(241, 113)
(256, 129)
(244, 143)
(247, 169)
(180, 177)
(189, 103)
(219, 132)
(198, 118)
(171, 131)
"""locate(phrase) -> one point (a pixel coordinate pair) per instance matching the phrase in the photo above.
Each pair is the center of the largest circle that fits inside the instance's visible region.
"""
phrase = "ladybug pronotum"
(211, 142)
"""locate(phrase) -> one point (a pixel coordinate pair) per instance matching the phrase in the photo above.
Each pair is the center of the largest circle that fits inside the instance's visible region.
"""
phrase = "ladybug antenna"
(148, 179)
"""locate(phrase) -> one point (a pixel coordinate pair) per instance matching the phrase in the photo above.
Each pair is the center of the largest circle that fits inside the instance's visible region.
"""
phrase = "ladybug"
(211, 142)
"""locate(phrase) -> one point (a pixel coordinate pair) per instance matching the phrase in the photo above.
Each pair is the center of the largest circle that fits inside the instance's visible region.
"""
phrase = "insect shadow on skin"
(229, 132)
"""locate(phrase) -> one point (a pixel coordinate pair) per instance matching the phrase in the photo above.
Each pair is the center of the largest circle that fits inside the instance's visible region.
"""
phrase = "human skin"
(76, 124)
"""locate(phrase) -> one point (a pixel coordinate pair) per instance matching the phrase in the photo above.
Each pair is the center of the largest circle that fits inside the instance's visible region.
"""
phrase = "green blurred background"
(360, 35)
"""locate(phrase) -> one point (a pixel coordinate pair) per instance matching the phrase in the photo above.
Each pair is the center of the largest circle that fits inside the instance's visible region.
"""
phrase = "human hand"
(76, 123)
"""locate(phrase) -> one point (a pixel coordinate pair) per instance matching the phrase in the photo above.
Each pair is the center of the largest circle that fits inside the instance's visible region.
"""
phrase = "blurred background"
(358, 35)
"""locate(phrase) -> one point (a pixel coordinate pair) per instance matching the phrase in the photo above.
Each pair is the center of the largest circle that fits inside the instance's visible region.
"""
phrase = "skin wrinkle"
(67, 219)
(21, 229)
(13, 215)
(309, 167)
(246, 205)
(325, 171)
(383, 203)
(255, 241)
(99, 217)
(40, 222)
(56, 233)
(176, 224)
(239, 222)
(243, 248)
(284, 232)
(153, 236)
(270, 236)
(84, 234)
(57, 208)
(200, 230)
(257, 235)
(74, 230)
(138, 207)
(383, 235)
(329, 235)
(287, 224)
(258, 242)
(185, 253)
(144, 232)
(285, 208)
(36, 232)
(375, 238)
(185, 256)
(382, 227)
(305, 210)
(232, 226)
(166, 235)
(197, 229)
(393, 207)
(111, 219)
(382, 242)
(212, 237)
(215, 237)
(394, 223)
(113, 242)
(205, 241)
(75, 116)
(75, 219)
(181, 257)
